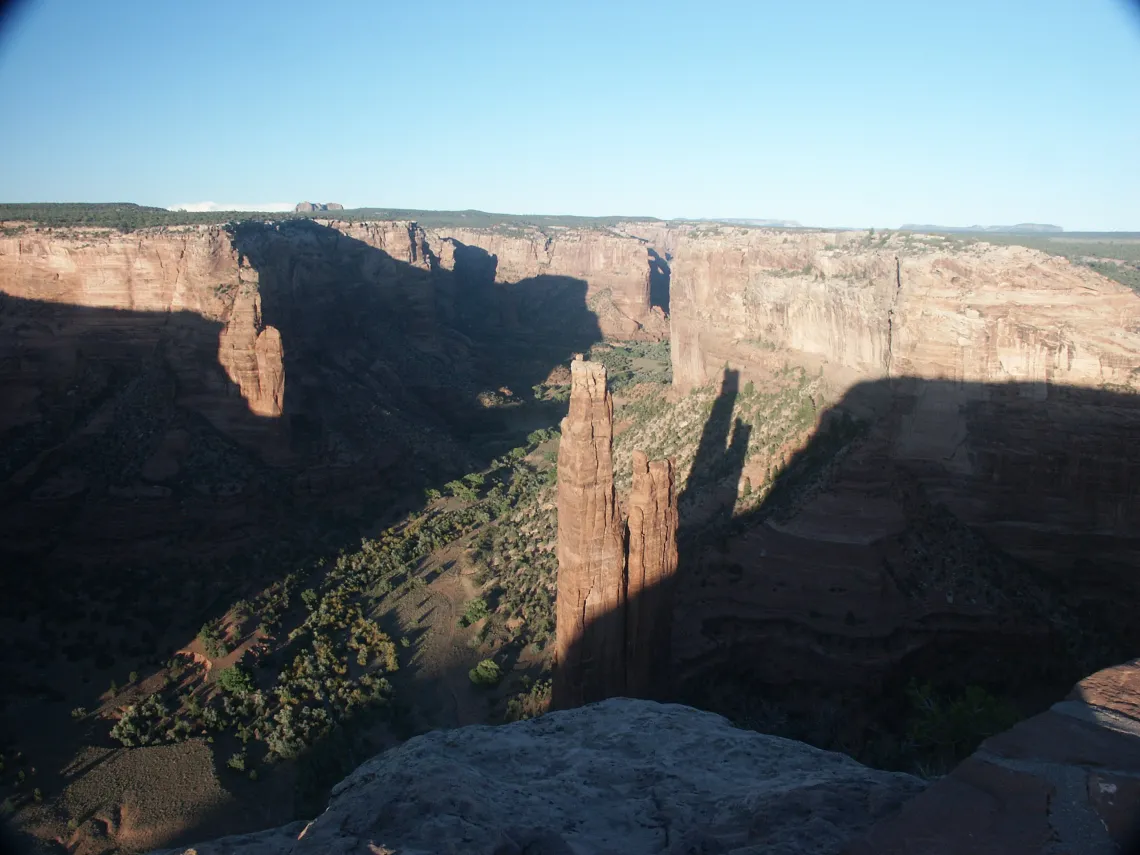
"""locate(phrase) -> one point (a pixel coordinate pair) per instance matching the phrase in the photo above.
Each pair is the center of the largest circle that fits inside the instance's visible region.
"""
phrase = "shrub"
(475, 611)
(237, 762)
(212, 641)
(531, 703)
(486, 673)
(79, 712)
(944, 730)
(461, 491)
(235, 681)
(133, 677)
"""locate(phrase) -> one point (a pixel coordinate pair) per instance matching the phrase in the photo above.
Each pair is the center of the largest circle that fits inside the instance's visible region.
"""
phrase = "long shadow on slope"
(139, 495)
(929, 533)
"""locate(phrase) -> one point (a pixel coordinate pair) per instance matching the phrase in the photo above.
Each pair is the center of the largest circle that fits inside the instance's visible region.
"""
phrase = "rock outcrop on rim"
(622, 776)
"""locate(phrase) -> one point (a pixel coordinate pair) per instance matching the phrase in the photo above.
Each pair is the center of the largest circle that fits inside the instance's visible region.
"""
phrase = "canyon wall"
(328, 354)
(992, 492)
(996, 384)
(895, 306)
(614, 266)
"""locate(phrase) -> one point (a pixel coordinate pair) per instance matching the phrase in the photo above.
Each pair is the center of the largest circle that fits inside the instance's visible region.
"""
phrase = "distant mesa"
(1019, 229)
(775, 224)
(310, 207)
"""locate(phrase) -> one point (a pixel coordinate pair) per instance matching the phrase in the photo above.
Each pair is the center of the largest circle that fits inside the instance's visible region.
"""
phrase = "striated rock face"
(1067, 780)
(614, 267)
(617, 777)
(986, 508)
(651, 567)
(591, 548)
(875, 308)
(251, 354)
(614, 606)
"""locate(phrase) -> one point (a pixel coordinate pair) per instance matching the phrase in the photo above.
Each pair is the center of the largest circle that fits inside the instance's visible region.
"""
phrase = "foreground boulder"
(1067, 780)
(621, 776)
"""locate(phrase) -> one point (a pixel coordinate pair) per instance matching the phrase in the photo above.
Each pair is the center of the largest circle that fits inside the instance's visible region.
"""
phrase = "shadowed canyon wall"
(985, 494)
(259, 364)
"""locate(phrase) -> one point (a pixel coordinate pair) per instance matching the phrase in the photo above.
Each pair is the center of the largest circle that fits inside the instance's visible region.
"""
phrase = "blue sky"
(830, 113)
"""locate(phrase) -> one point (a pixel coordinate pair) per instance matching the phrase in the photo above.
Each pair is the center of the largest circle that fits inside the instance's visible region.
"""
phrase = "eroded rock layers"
(613, 607)
(650, 570)
(591, 548)
(984, 515)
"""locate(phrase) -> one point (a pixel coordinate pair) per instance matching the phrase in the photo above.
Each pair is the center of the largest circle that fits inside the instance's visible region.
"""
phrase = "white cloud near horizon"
(232, 206)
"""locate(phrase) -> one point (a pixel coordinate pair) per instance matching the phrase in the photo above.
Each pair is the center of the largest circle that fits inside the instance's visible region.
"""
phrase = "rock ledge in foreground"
(620, 776)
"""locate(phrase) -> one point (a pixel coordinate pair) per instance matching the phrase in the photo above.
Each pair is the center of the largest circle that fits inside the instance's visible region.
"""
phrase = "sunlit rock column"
(590, 650)
(651, 567)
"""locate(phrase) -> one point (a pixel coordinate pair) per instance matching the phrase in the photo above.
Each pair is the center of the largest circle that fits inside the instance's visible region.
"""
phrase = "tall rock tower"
(650, 569)
(591, 548)
(613, 609)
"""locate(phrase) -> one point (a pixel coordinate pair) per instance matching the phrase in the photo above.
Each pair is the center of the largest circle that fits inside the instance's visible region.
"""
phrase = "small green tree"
(475, 611)
(235, 681)
(486, 673)
(212, 641)
(460, 491)
(237, 761)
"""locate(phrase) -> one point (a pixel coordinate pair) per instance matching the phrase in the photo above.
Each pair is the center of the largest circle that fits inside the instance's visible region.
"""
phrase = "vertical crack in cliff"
(891, 316)
(659, 280)
(412, 227)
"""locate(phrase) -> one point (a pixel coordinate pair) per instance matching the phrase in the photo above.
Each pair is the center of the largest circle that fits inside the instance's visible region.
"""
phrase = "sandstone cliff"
(989, 493)
(896, 306)
(620, 776)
